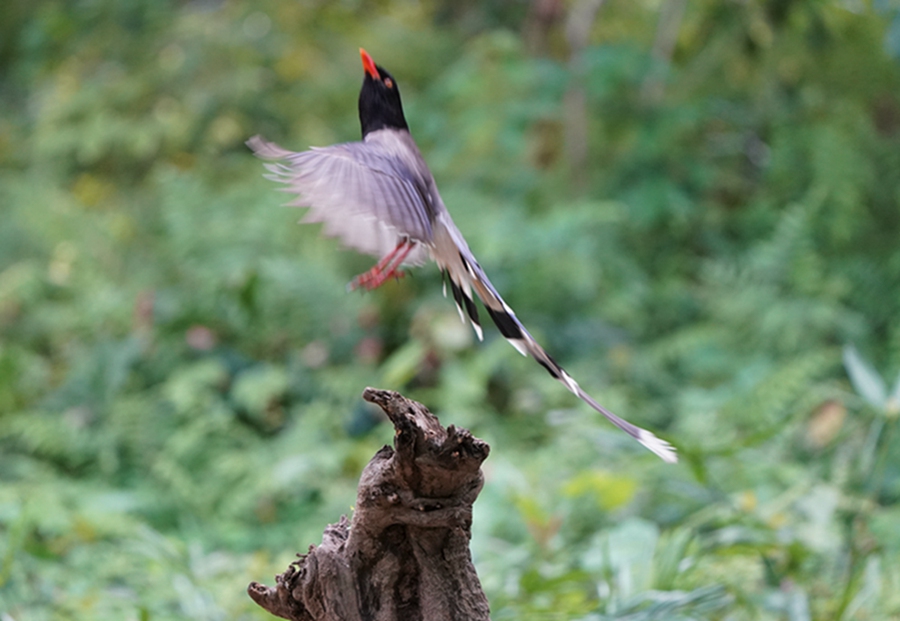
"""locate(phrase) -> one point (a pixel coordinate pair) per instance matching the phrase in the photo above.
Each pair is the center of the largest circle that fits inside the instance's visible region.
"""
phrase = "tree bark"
(405, 555)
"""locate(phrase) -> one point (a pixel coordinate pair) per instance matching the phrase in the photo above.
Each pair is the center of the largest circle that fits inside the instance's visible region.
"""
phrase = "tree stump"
(405, 555)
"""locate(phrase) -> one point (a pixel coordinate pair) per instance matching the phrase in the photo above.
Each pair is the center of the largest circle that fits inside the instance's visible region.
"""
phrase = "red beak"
(369, 64)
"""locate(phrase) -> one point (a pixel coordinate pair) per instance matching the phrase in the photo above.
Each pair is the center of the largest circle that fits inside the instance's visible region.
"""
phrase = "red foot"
(386, 268)
(375, 278)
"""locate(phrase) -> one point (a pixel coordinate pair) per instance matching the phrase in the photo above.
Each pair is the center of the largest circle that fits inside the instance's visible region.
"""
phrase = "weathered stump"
(405, 555)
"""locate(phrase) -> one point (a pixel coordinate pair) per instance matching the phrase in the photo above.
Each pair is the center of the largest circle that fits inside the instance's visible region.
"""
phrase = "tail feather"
(464, 299)
(474, 277)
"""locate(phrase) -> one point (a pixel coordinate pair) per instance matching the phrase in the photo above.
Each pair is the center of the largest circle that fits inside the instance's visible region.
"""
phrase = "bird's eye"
(389, 83)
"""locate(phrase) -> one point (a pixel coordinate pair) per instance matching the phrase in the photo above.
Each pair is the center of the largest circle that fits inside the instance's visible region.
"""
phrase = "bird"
(378, 196)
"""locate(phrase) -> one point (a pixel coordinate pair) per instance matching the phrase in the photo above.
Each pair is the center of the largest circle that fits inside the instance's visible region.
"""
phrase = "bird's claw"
(374, 278)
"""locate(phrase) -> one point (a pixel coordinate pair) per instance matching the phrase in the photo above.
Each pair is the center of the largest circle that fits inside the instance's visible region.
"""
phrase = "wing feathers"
(360, 194)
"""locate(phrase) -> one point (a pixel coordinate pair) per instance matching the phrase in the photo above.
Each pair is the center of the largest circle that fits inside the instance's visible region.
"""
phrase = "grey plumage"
(362, 192)
(377, 193)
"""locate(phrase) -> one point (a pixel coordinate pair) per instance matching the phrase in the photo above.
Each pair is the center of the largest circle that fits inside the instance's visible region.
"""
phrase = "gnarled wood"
(405, 556)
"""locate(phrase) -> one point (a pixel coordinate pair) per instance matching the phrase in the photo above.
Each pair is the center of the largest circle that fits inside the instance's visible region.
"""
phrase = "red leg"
(387, 267)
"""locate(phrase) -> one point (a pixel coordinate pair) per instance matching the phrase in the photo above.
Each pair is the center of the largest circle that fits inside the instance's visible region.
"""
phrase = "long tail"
(472, 277)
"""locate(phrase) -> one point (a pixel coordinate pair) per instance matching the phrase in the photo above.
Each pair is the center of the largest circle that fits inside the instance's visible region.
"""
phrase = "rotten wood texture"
(405, 555)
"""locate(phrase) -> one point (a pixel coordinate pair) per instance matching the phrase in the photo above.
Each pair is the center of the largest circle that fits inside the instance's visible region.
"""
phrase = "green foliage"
(180, 363)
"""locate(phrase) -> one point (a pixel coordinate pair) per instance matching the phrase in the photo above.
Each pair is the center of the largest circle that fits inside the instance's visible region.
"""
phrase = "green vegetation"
(180, 366)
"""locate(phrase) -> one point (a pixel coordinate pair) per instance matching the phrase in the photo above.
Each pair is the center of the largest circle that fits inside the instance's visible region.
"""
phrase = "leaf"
(825, 424)
(260, 391)
(610, 491)
(403, 364)
(672, 605)
(892, 37)
(892, 406)
(864, 378)
(627, 552)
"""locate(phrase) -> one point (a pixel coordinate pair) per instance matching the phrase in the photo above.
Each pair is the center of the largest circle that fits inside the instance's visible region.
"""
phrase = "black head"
(379, 99)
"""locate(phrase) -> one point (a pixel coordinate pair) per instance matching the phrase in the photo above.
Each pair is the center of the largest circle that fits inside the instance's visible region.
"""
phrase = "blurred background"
(694, 205)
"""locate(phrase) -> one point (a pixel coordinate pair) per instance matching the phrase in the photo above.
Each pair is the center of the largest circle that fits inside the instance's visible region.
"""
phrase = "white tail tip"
(478, 331)
(663, 449)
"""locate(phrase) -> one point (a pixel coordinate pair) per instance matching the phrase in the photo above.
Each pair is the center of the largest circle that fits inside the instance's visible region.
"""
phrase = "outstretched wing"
(361, 195)
(467, 275)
